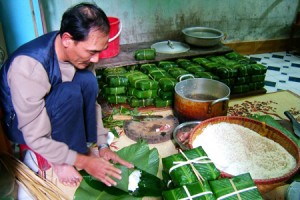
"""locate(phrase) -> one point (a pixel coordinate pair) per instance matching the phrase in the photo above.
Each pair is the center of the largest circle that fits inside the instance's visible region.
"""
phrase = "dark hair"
(80, 19)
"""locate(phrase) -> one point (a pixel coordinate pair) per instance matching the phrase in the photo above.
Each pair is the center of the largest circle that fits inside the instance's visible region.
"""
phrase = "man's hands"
(109, 155)
(100, 167)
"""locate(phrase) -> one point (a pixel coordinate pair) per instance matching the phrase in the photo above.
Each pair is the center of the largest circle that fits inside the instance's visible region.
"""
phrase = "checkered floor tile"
(283, 70)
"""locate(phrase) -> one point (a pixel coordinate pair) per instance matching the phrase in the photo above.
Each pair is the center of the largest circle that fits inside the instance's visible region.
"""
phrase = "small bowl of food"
(182, 133)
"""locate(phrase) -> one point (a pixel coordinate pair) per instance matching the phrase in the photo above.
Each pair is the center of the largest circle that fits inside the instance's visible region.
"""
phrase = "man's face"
(82, 54)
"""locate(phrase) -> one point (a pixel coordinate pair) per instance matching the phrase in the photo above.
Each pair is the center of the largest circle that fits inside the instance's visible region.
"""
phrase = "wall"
(154, 20)
(21, 22)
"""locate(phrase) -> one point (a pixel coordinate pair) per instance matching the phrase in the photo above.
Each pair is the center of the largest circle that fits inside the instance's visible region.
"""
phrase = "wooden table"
(126, 55)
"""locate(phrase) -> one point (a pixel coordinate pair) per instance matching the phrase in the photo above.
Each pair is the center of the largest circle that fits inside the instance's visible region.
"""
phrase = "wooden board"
(153, 131)
(126, 58)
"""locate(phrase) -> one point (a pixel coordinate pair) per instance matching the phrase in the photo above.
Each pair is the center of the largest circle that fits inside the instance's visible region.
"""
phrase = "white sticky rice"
(235, 149)
(134, 179)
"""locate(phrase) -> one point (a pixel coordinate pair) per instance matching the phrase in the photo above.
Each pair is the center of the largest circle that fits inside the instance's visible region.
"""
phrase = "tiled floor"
(283, 70)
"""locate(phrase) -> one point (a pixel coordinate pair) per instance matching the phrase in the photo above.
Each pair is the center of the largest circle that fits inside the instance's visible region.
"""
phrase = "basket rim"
(282, 178)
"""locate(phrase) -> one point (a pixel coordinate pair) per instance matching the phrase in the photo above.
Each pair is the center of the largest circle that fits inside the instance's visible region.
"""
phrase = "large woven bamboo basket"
(264, 185)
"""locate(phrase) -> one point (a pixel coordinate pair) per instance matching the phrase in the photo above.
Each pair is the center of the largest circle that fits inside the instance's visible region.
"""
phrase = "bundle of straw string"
(37, 187)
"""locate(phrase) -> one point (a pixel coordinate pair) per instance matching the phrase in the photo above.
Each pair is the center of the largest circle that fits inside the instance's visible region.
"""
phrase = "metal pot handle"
(216, 101)
(219, 100)
(185, 75)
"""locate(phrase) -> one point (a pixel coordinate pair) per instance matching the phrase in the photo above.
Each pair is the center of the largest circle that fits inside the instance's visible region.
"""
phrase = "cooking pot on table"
(203, 36)
(200, 99)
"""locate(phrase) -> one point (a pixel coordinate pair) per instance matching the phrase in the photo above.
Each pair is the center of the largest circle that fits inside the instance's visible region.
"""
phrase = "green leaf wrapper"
(143, 158)
(241, 185)
(181, 171)
(195, 191)
(145, 54)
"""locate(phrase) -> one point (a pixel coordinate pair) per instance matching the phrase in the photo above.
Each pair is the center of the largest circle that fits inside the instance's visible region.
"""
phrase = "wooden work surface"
(126, 55)
(273, 104)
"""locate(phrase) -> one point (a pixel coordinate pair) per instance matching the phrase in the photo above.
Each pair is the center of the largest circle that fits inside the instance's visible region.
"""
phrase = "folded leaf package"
(137, 182)
(116, 80)
(145, 54)
(241, 187)
(116, 99)
(190, 166)
(135, 102)
(197, 190)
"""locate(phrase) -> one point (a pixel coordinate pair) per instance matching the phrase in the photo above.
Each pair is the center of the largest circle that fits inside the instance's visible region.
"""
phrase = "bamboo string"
(38, 187)
(198, 175)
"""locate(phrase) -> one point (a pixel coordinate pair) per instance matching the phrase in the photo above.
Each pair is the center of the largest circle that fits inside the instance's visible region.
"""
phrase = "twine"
(237, 192)
(189, 197)
(190, 162)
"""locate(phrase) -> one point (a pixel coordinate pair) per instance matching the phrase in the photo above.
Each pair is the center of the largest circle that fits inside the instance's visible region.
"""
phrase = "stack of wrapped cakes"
(191, 174)
(152, 84)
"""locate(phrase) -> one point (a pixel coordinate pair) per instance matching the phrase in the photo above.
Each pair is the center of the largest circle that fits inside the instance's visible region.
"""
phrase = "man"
(49, 97)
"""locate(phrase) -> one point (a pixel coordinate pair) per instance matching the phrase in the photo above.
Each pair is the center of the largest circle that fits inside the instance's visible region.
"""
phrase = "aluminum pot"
(203, 36)
(200, 99)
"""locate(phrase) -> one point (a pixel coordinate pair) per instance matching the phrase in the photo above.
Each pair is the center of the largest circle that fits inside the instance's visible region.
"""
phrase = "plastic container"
(113, 48)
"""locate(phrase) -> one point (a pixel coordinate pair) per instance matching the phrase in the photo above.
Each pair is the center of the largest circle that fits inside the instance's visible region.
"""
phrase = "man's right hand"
(98, 168)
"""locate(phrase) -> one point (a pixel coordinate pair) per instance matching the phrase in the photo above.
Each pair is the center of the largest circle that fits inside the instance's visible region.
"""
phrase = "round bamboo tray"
(264, 185)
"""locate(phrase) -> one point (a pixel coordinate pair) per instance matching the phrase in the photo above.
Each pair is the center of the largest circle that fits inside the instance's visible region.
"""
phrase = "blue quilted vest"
(41, 49)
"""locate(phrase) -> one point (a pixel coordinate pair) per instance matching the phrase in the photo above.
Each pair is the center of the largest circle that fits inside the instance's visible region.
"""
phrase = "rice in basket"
(235, 149)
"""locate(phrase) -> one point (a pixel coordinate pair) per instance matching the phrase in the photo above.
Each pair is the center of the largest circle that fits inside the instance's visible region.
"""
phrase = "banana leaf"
(234, 55)
(145, 54)
(242, 184)
(195, 191)
(167, 65)
(218, 59)
(201, 60)
(226, 72)
(208, 75)
(167, 84)
(182, 62)
(237, 89)
(258, 78)
(115, 99)
(165, 95)
(116, 80)
(211, 66)
(181, 171)
(274, 123)
(242, 80)
(134, 102)
(142, 94)
(258, 69)
(114, 70)
(256, 85)
(139, 154)
(114, 90)
(194, 68)
(243, 70)
(145, 84)
(159, 103)
(228, 81)
(135, 75)
(145, 68)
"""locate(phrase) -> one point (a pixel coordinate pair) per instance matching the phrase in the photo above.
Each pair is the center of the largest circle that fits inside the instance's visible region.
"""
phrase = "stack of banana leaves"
(147, 183)
(152, 84)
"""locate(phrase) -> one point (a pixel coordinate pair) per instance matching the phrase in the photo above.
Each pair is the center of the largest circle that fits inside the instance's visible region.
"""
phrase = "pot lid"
(170, 47)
